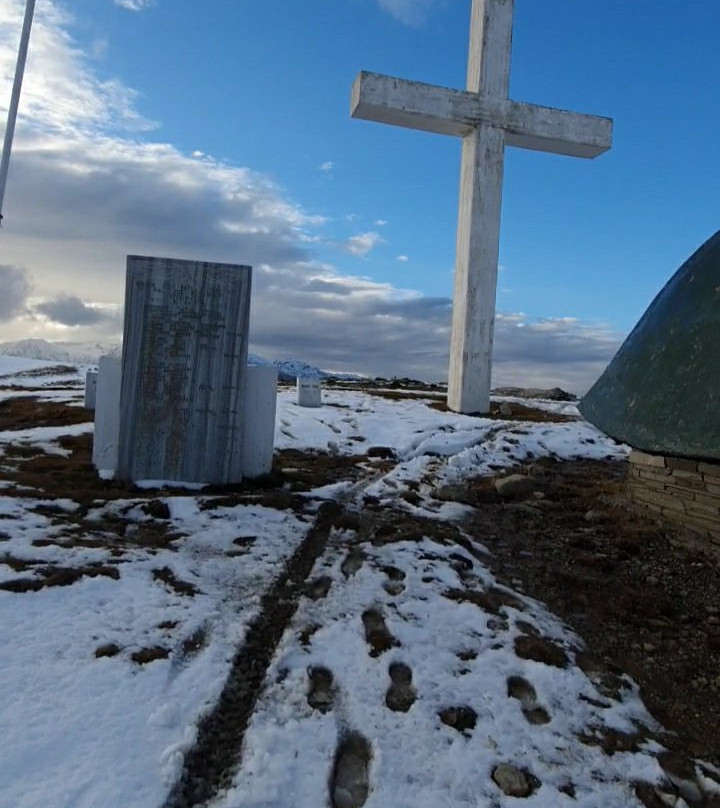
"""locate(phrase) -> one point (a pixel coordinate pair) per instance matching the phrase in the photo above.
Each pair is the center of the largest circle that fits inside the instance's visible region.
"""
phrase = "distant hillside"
(80, 353)
(290, 369)
(85, 353)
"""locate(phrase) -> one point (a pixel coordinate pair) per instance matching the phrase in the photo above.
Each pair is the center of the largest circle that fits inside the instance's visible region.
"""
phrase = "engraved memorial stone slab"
(183, 370)
(90, 389)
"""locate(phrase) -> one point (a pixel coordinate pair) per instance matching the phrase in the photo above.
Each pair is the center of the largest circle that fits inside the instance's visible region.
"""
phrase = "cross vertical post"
(487, 120)
(478, 231)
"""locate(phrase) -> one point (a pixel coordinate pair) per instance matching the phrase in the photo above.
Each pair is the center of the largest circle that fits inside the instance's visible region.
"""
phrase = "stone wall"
(686, 492)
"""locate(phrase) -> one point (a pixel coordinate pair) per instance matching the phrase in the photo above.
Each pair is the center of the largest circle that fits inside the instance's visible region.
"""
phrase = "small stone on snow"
(511, 780)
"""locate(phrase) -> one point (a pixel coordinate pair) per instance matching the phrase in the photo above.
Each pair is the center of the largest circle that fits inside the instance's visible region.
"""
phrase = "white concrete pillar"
(107, 414)
(260, 406)
(309, 391)
(90, 389)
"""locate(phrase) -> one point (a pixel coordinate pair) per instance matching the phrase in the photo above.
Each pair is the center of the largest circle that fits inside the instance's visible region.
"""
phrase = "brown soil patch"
(411, 390)
(107, 650)
(645, 604)
(168, 577)
(541, 650)
(145, 655)
(39, 373)
(194, 643)
(73, 477)
(18, 564)
(302, 471)
(518, 412)
(28, 412)
(491, 600)
(58, 576)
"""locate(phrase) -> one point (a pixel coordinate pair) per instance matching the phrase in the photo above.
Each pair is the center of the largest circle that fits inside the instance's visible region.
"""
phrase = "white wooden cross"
(487, 121)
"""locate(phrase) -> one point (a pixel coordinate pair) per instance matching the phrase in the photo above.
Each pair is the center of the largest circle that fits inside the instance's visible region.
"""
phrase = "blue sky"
(221, 131)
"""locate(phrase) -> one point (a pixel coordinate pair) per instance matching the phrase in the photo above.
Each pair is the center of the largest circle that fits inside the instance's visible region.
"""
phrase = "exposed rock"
(451, 493)
(552, 394)
(383, 452)
(511, 780)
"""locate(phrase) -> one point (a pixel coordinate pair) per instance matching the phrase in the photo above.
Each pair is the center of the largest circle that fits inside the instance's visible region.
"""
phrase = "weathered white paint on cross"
(487, 121)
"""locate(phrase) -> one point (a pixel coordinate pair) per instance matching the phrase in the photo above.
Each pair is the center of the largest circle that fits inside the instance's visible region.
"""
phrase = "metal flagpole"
(15, 98)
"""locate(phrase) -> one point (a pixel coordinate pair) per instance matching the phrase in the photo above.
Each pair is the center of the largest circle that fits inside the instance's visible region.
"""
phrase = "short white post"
(309, 391)
(259, 423)
(107, 414)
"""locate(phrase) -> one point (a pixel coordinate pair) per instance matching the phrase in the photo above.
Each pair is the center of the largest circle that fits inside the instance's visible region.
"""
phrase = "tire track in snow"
(210, 765)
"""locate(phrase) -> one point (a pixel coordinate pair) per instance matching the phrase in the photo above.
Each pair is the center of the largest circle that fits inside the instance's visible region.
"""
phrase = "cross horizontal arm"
(427, 107)
(547, 129)
(444, 111)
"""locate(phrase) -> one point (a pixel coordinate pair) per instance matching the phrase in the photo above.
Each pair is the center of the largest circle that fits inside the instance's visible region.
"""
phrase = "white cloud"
(59, 92)
(69, 310)
(362, 244)
(327, 166)
(85, 190)
(403, 258)
(409, 12)
(15, 285)
(380, 222)
(133, 5)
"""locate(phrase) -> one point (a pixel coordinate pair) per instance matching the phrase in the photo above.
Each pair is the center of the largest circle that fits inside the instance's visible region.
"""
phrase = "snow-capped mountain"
(80, 353)
(85, 353)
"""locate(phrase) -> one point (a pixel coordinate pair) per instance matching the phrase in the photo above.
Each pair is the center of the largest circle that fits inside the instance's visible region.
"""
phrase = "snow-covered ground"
(86, 723)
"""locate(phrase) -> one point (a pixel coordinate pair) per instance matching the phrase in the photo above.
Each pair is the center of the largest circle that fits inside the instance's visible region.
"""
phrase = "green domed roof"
(661, 392)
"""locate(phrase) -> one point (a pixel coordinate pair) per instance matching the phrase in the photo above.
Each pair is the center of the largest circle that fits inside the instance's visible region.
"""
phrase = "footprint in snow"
(520, 689)
(377, 634)
(401, 695)
(394, 584)
(350, 780)
(352, 562)
(322, 693)
(318, 588)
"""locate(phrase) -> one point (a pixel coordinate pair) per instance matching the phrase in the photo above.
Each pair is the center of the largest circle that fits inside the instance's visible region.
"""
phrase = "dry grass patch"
(29, 412)
(58, 576)
(145, 655)
(168, 577)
